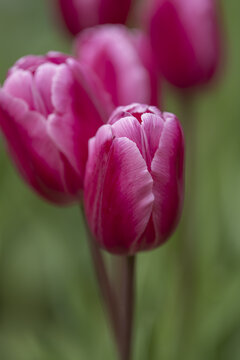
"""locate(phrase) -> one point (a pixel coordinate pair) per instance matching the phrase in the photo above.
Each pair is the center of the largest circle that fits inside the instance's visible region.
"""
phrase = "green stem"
(105, 286)
(121, 312)
(187, 252)
(127, 309)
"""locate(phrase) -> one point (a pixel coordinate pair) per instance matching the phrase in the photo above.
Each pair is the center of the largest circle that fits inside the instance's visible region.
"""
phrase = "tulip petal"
(29, 63)
(65, 131)
(98, 153)
(80, 14)
(43, 81)
(109, 51)
(32, 150)
(94, 88)
(62, 86)
(121, 193)
(130, 128)
(114, 12)
(133, 84)
(167, 174)
(70, 15)
(19, 84)
(79, 114)
(152, 126)
(134, 109)
(75, 86)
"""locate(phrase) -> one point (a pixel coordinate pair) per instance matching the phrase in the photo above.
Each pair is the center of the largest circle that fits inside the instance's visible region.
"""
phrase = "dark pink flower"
(134, 179)
(49, 107)
(185, 38)
(80, 14)
(123, 61)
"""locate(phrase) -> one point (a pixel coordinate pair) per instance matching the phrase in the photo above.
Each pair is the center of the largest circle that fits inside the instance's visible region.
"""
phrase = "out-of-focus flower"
(49, 107)
(185, 37)
(80, 14)
(134, 181)
(123, 61)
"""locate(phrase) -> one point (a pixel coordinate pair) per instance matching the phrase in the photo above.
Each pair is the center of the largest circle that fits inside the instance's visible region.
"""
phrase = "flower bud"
(49, 107)
(185, 38)
(80, 14)
(122, 59)
(133, 189)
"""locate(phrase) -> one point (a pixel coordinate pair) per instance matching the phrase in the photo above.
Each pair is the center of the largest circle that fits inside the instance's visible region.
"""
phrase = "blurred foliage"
(49, 301)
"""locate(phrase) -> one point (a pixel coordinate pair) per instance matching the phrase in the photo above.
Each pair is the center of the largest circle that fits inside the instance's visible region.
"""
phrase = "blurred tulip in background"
(185, 36)
(80, 14)
(123, 61)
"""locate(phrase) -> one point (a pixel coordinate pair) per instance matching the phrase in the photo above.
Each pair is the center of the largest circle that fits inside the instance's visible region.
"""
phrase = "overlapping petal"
(34, 153)
(122, 205)
(19, 84)
(167, 173)
(134, 109)
(79, 112)
(43, 81)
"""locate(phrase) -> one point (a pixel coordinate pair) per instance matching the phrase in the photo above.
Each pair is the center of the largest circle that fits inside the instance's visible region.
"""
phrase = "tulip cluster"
(50, 106)
(55, 114)
(88, 128)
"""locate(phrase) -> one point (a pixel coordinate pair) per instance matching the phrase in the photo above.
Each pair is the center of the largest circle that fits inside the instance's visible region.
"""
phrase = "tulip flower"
(122, 59)
(49, 107)
(185, 37)
(133, 189)
(80, 14)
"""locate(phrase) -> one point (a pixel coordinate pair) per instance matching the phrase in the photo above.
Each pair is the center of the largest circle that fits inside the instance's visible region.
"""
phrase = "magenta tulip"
(49, 107)
(80, 14)
(123, 61)
(134, 183)
(185, 37)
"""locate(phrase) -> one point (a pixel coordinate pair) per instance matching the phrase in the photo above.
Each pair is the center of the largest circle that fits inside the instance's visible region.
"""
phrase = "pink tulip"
(123, 61)
(133, 189)
(49, 107)
(185, 37)
(80, 14)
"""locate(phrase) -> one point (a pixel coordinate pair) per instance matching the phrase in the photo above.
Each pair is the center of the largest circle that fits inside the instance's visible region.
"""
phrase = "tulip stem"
(105, 286)
(104, 283)
(187, 230)
(120, 313)
(127, 308)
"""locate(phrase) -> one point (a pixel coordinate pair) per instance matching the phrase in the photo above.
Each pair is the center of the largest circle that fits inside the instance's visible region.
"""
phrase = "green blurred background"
(49, 301)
